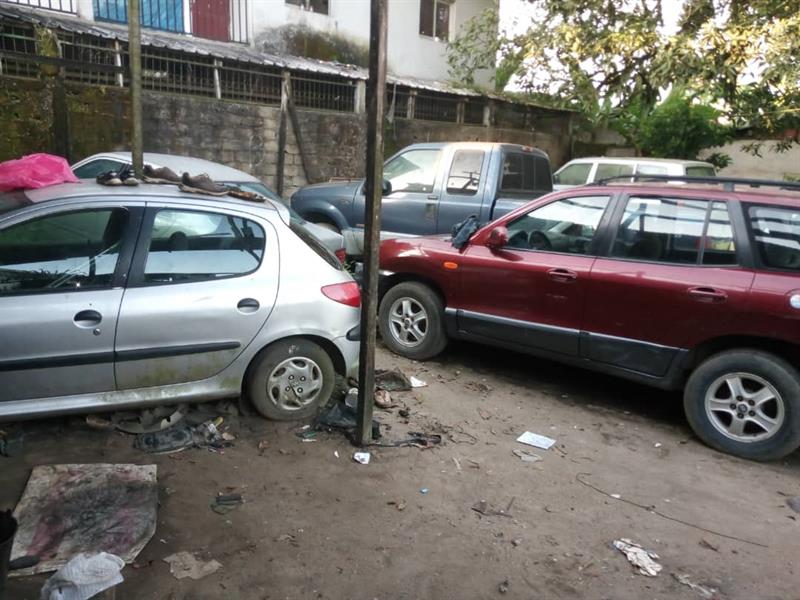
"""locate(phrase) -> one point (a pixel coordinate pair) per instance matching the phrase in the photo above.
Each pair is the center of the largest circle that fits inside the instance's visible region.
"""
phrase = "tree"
(613, 59)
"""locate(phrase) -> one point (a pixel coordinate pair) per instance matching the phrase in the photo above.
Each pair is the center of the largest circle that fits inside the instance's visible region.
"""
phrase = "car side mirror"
(498, 238)
(386, 187)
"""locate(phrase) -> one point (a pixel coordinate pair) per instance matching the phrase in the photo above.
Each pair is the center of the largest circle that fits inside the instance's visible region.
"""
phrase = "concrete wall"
(77, 121)
(770, 165)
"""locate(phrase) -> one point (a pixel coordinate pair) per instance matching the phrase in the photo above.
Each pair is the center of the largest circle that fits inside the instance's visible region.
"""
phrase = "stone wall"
(77, 121)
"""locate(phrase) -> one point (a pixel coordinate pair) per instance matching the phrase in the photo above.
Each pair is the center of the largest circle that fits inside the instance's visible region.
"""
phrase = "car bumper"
(350, 350)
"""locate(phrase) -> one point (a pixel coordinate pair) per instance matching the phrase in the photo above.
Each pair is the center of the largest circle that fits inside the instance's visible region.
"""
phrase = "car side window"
(777, 236)
(465, 172)
(93, 168)
(566, 225)
(675, 231)
(651, 170)
(188, 246)
(413, 171)
(606, 170)
(76, 250)
(574, 174)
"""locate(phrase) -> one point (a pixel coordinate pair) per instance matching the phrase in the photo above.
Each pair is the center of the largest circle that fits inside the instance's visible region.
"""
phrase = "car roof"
(708, 191)
(477, 146)
(640, 159)
(89, 190)
(183, 164)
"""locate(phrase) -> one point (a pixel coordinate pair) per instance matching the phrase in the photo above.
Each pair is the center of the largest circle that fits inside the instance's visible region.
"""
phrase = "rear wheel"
(411, 321)
(746, 403)
(291, 379)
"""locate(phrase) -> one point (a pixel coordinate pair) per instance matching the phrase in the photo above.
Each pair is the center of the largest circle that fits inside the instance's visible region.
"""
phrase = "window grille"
(18, 51)
(324, 92)
(249, 83)
(65, 6)
(430, 106)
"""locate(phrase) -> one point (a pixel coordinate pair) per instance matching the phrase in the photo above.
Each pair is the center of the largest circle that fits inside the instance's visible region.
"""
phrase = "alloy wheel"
(745, 407)
(408, 322)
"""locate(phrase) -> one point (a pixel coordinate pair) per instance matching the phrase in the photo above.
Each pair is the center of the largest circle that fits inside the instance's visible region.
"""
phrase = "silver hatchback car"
(125, 297)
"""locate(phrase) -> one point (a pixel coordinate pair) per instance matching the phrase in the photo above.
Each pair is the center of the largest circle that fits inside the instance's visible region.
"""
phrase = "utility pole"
(373, 186)
(135, 59)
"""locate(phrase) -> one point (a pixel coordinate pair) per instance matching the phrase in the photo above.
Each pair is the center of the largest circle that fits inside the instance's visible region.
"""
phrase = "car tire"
(281, 377)
(762, 421)
(429, 338)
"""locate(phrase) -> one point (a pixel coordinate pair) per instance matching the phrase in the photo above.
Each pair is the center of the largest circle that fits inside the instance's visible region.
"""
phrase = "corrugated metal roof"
(230, 51)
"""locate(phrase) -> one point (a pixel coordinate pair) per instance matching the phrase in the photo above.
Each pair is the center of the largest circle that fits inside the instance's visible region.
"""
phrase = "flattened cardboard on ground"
(68, 509)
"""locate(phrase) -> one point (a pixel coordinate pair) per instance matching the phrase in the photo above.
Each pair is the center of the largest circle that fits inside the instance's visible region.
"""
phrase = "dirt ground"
(318, 526)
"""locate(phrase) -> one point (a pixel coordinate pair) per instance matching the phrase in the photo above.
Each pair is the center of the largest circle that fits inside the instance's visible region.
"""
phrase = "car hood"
(330, 187)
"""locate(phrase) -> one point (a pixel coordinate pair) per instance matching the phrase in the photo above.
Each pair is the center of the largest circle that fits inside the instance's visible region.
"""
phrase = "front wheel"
(746, 403)
(291, 379)
(411, 321)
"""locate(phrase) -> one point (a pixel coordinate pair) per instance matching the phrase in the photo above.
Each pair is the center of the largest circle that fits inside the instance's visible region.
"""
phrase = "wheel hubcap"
(745, 407)
(295, 383)
(408, 322)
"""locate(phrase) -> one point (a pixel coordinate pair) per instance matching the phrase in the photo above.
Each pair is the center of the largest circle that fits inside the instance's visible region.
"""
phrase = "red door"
(211, 19)
(672, 282)
(531, 293)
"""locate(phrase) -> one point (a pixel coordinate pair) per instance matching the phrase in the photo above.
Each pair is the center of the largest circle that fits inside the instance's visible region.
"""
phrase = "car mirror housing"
(498, 237)
(386, 187)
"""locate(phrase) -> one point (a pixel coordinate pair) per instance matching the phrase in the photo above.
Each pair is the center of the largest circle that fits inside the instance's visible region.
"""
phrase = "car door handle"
(87, 318)
(433, 197)
(248, 305)
(562, 275)
(707, 294)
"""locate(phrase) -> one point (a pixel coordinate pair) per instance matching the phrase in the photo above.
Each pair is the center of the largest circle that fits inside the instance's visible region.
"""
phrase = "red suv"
(693, 286)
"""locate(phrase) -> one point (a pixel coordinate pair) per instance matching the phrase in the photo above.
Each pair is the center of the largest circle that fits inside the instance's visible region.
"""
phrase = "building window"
(434, 19)
(317, 6)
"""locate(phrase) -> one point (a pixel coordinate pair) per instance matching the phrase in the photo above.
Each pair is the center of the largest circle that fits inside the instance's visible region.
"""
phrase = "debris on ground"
(404, 412)
(794, 503)
(287, 537)
(84, 576)
(526, 456)
(643, 559)
(417, 383)
(709, 545)
(225, 503)
(99, 423)
(516, 542)
(503, 587)
(362, 457)
(704, 592)
(11, 445)
(383, 399)
(477, 386)
(262, 446)
(148, 420)
(392, 381)
(73, 508)
(536, 440)
(344, 418)
(185, 564)
(483, 508)
(399, 504)
(183, 436)
(424, 490)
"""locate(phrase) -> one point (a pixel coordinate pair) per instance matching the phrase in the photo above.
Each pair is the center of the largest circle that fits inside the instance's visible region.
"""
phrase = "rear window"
(525, 173)
(317, 246)
(700, 171)
(777, 236)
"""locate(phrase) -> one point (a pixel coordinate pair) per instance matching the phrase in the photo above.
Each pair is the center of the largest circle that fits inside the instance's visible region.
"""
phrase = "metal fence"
(244, 82)
(324, 93)
(430, 106)
(66, 6)
(94, 60)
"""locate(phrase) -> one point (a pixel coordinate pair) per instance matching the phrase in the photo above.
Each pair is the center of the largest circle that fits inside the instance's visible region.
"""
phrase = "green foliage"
(611, 59)
(679, 127)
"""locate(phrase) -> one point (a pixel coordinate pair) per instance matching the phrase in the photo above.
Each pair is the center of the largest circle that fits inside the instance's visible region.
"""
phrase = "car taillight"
(345, 293)
(341, 254)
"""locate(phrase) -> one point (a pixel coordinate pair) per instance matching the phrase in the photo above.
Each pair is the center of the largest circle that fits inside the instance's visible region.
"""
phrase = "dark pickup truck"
(431, 187)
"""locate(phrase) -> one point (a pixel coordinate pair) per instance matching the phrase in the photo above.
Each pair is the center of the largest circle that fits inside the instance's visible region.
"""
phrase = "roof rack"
(728, 183)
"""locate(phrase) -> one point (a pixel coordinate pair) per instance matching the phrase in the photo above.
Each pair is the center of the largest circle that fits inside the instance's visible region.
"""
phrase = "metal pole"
(376, 98)
(135, 58)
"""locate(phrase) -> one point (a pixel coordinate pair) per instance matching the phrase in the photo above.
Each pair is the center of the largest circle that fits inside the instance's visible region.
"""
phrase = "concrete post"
(360, 98)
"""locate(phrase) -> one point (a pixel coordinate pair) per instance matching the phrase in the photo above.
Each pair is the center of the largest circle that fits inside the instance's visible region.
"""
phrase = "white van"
(587, 170)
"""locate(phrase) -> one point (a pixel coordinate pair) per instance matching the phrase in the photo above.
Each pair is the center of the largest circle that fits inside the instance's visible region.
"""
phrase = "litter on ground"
(70, 509)
(186, 564)
(84, 576)
(536, 440)
(640, 558)
(417, 383)
(526, 456)
(362, 457)
(704, 592)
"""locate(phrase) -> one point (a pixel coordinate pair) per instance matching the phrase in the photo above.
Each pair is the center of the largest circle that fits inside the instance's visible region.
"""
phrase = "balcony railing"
(222, 20)
(65, 6)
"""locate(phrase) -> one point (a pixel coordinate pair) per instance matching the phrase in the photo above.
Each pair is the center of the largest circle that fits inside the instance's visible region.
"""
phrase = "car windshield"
(12, 201)
(260, 188)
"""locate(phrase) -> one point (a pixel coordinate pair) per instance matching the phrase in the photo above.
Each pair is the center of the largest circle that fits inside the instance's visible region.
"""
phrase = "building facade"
(417, 38)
